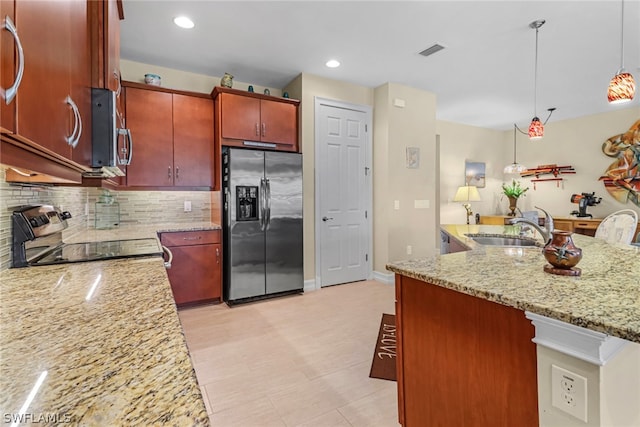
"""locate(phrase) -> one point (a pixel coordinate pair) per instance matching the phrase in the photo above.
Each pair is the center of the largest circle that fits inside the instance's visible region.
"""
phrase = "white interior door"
(343, 193)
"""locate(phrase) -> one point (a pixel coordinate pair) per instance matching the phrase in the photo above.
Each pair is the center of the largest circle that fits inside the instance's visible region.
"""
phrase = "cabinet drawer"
(586, 225)
(188, 238)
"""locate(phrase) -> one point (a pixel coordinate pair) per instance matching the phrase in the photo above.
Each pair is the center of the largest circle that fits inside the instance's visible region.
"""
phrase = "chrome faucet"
(544, 232)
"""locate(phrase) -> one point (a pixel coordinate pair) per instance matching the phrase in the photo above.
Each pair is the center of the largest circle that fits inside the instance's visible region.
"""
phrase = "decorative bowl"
(152, 79)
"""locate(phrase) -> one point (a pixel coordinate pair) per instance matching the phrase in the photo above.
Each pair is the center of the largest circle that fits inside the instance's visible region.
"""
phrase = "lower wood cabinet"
(196, 269)
(462, 360)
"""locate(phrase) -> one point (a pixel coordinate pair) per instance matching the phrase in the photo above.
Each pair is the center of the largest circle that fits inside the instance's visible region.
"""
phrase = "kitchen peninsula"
(466, 322)
(97, 343)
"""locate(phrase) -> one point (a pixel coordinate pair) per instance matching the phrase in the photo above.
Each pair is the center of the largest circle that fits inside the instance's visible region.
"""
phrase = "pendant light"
(536, 127)
(514, 167)
(622, 87)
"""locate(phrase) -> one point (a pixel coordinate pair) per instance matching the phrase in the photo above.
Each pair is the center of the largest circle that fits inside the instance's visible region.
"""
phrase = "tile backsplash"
(136, 207)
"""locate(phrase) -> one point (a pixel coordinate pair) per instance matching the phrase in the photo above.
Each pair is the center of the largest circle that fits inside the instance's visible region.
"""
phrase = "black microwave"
(112, 145)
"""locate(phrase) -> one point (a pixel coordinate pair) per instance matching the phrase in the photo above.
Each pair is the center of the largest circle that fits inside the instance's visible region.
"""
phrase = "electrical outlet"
(187, 206)
(409, 249)
(569, 392)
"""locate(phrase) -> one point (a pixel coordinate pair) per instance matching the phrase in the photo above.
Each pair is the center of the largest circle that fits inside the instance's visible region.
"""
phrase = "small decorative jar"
(562, 254)
(152, 79)
(267, 91)
(226, 80)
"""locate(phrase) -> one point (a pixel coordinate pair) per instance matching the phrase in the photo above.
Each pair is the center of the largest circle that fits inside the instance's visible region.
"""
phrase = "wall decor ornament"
(413, 157)
(622, 177)
(226, 80)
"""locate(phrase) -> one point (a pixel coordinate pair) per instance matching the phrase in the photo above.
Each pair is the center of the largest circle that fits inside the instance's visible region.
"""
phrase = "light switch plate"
(187, 205)
(396, 204)
(421, 204)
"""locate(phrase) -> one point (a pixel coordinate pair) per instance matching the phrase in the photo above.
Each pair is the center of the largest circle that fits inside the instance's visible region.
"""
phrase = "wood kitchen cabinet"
(173, 138)
(477, 354)
(244, 116)
(196, 270)
(54, 95)
(46, 127)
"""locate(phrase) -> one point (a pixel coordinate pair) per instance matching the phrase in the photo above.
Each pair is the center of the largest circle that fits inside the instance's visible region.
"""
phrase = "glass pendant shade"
(536, 129)
(514, 168)
(622, 88)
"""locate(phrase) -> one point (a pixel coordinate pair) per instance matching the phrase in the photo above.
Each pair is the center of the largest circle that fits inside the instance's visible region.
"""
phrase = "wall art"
(622, 177)
(413, 157)
(474, 173)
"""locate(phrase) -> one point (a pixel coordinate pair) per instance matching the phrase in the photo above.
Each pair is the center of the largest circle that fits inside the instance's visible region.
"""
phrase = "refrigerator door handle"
(268, 209)
(263, 204)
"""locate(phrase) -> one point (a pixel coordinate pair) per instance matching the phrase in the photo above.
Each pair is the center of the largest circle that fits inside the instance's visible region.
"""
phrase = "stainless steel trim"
(130, 144)
(268, 207)
(263, 204)
(166, 250)
(71, 138)
(11, 92)
(259, 144)
(116, 74)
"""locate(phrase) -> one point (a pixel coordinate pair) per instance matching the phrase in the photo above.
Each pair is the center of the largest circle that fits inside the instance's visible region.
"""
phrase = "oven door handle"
(166, 250)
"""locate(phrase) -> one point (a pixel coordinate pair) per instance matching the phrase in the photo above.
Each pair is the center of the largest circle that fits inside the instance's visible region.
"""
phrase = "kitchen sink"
(503, 240)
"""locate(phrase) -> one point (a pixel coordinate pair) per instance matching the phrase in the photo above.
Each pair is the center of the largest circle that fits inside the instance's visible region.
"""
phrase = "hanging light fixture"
(536, 127)
(622, 87)
(514, 167)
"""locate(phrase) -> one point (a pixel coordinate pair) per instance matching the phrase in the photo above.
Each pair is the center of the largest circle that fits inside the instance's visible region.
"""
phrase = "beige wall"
(182, 80)
(612, 389)
(576, 142)
(397, 128)
(460, 143)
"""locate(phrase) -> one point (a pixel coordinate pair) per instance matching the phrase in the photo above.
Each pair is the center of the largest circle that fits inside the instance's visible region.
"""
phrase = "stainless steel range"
(37, 240)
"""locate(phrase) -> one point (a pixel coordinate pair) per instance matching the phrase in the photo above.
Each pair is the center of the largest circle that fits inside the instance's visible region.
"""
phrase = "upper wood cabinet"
(105, 17)
(249, 117)
(173, 138)
(45, 47)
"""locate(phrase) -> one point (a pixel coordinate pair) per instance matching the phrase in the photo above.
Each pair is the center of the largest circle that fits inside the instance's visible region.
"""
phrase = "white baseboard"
(309, 285)
(388, 278)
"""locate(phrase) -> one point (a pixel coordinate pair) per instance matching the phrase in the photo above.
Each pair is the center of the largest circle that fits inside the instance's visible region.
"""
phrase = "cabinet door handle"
(10, 93)
(72, 139)
(127, 150)
(116, 74)
(167, 263)
(264, 129)
(217, 255)
(257, 130)
(169, 172)
(192, 238)
(177, 172)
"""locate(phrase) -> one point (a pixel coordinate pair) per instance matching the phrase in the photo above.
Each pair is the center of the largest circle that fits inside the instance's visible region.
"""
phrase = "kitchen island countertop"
(97, 343)
(605, 298)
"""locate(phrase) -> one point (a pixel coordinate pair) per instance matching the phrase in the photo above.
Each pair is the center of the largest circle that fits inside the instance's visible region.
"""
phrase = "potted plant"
(513, 191)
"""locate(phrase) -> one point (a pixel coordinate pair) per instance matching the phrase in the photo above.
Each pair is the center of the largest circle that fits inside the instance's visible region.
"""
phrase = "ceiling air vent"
(431, 50)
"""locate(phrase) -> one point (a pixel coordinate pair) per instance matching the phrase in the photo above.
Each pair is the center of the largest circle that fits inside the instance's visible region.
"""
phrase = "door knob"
(325, 219)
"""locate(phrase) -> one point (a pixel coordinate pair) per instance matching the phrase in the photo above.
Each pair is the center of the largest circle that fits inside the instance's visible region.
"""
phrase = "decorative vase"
(226, 80)
(562, 254)
(513, 204)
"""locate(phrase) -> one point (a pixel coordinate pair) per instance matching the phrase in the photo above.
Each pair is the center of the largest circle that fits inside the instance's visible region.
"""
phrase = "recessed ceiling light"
(183, 22)
(333, 63)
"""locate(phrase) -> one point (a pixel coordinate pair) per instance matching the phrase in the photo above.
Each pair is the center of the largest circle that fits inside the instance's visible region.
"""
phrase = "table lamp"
(466, 194)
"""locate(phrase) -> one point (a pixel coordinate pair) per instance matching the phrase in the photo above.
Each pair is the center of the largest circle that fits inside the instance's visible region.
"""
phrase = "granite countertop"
(102, 339)
(605, 298)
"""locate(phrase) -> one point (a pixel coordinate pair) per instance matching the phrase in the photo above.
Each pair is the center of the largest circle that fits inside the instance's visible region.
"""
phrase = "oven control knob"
(65, 215)
(33, 222)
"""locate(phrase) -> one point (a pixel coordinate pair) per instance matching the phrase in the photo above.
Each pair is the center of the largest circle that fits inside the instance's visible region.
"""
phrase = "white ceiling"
(484, 77)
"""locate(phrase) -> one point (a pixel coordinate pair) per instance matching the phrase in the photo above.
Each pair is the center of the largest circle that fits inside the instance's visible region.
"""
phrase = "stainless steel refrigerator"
(262, 199)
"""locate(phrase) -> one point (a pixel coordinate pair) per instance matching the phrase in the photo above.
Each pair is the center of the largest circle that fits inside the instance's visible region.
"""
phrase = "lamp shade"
(467, 193)
(622, 88)
(514, 168)
(536, 129)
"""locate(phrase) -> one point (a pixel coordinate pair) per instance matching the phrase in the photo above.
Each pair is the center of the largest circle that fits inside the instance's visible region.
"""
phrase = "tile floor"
(301, 360)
